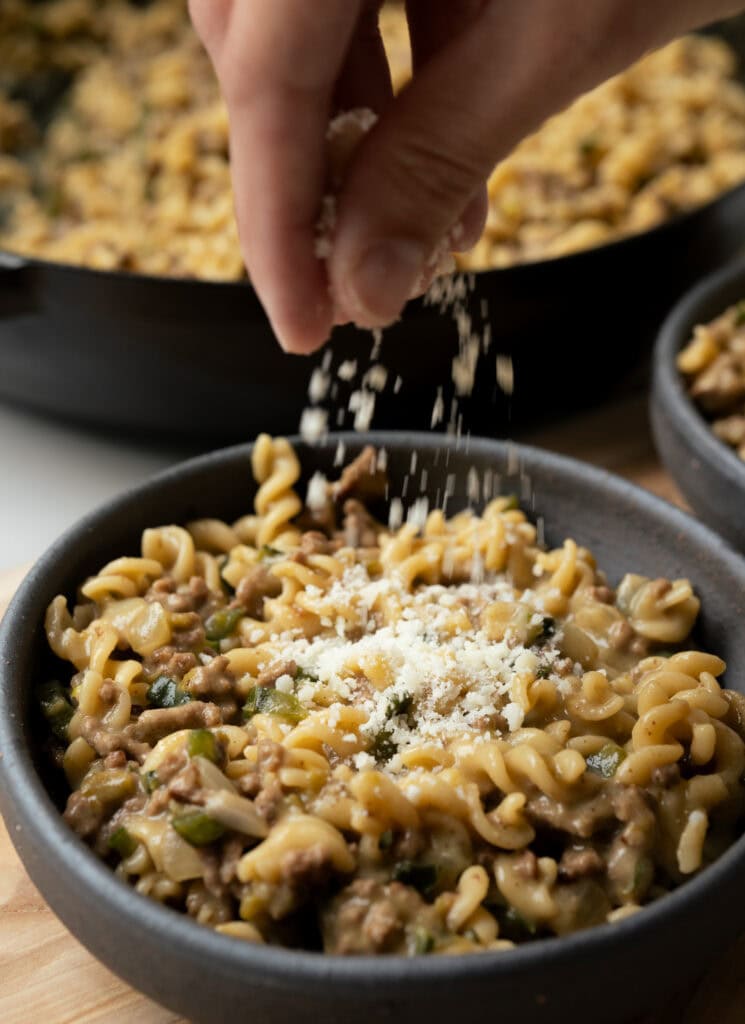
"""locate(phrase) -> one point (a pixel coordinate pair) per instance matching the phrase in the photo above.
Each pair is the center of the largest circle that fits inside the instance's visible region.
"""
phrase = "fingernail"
(383, 281)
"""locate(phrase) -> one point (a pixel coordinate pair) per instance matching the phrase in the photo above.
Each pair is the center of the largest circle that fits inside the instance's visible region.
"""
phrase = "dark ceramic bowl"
(709, 473)
(613, 972)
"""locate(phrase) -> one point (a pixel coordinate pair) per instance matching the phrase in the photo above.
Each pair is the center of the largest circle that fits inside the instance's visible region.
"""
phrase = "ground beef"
(189, 634)
(666, 776)
(620, 635)
(256, 585)
(313, 542)
(309, 869)
(603, 594)
(156, 723)
(84, 814)
(168, 661)
(232, 851)
(525, 864)
(719, 387)
(215, 682)
(582, 819)
(359, 526)
(186, 597)
(361, 479)
(634, 807)
(262, 783)
(105, 743)
(186, 785)
(369, 916)
(268, 799)
(277, 669)
(207, 906)
(116, 759)
(579, 863)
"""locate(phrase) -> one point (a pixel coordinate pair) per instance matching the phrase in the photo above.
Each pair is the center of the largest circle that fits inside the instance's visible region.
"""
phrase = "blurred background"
(130, 338)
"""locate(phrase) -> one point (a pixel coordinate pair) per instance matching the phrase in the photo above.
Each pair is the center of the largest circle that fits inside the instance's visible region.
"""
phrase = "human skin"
(486, 73)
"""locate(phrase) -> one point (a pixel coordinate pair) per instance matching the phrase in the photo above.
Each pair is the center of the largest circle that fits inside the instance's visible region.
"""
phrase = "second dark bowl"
(708, 472)
(612, 972)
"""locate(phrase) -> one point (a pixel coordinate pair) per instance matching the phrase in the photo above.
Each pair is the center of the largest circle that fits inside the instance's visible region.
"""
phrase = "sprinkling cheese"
(313, 425)
(347, 369)
(285, 683)
(362, 404)
(318, 490)
(505, 374)
(319, 385)
(417, 679)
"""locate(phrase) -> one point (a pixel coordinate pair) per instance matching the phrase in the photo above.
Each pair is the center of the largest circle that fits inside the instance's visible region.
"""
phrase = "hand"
(486, 73)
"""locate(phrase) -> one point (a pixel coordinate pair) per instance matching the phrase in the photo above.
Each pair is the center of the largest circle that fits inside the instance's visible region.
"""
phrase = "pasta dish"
(315, 729)
(713, 365)
(114, 145)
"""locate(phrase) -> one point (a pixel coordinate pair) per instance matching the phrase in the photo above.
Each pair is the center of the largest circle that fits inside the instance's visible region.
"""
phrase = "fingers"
(513, 64)
(365, 80)
(278, 64)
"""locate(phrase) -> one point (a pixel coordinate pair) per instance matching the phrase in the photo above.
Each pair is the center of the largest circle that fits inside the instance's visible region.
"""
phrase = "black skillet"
(198, 359)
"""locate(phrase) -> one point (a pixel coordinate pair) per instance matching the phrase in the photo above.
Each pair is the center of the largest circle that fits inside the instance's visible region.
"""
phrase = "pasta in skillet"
(310, 729)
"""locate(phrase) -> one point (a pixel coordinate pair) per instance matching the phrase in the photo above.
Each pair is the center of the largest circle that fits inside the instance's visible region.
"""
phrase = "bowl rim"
(10, 259)
(668, 381)
(29, 807)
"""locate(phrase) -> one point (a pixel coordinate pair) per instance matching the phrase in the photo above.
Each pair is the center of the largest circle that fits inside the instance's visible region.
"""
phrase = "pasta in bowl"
(309, 728)
(327, 834)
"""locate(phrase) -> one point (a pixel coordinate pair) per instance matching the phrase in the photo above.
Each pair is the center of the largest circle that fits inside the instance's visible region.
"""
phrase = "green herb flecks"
(422, 877)
(166, 693)
(540, 632)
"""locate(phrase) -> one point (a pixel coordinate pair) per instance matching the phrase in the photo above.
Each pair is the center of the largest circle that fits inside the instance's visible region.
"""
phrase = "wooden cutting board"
(45, 974)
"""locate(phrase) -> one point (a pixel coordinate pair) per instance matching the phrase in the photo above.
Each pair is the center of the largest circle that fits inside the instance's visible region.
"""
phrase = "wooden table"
(46, 974)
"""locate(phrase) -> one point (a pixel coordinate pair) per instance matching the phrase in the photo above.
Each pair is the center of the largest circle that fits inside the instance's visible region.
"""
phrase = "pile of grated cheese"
(444, 682)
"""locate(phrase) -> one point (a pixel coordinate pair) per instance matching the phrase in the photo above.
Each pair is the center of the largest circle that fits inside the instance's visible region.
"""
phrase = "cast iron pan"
(198, 359)
(708, 472)
(611, 973)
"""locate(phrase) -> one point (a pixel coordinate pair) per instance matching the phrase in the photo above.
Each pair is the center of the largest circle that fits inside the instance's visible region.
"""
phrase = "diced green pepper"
(385, 840)
(607, 760)
(112, 786)
(123, 842)
(513, 926)
(203, 743)
(223, 622)
(301, 675)
(544, 672)
(424, 941)
(401, 704)
(383, 747)
(150, 781)
(166, 693)
(263, 700)
(588, 146)
(540, 632)
(422, 877)
(56, 708)
(198, 828)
